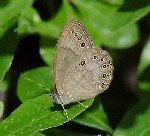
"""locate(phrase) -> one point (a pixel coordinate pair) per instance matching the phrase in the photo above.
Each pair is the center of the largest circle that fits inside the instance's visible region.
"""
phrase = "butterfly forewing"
(71, 44)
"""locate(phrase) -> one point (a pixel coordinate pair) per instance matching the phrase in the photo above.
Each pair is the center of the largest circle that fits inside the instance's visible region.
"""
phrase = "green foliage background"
(28, 34)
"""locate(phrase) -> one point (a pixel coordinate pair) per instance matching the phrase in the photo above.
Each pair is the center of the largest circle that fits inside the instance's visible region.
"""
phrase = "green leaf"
(114, 2)
(131, 11)
(8, 44)
(3, 85)
(27, 89)
(143, 80)
(10, 9)
(144, 60)
(47, 50)
(124, 37)
(30, 22)
(39, 114)
(136, 121)
(95, 117)
(96, 16)
(38, 134)
(27, 21)
(53, 27)
(1, 108)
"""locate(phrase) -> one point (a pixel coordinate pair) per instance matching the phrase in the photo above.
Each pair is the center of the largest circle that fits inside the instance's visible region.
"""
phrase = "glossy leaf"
(27, 89)
(8, 44)
(143, 80)
(95, 117)
(145, 58)
(3, 85)
(47, 50)
(98, 19)
(38, 114)
(1, 108)
(10, 9)
(136, 121)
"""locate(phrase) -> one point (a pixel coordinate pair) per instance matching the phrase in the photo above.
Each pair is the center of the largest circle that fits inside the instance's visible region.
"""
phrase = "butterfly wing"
(72, 43)
(92, 74)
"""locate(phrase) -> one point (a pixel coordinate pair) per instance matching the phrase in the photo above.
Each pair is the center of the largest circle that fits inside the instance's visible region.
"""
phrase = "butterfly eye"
(104, 75)
(95, 57)
(104, 66)
(82, 44)
(82, 63)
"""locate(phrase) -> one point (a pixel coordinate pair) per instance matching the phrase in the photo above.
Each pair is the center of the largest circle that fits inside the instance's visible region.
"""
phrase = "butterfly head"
(56, 98)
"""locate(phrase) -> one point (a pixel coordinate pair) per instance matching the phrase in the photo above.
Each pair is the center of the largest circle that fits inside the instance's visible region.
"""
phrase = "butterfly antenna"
(65, 111)
(82, 104)
(37, 84)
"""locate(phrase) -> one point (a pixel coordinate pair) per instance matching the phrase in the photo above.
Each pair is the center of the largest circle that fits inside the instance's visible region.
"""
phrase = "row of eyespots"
(82, 44)
(79, 26)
